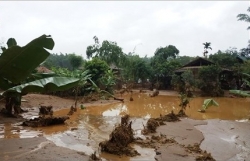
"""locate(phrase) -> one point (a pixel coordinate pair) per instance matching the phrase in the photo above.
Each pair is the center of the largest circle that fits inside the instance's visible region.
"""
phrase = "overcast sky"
(145, 25)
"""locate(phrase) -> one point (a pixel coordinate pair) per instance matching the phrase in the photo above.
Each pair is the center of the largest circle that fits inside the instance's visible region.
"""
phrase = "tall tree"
(136, 68)
(167, 52)
(207, 45)
(244, 17)
(224, 59)
(164, 63)
(108, 51)
(75, 61)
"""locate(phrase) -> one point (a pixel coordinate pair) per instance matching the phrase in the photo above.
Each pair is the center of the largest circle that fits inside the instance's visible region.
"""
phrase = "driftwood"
(119, 99)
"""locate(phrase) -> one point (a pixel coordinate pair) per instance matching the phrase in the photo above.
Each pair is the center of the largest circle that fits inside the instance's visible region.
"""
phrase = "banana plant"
(208, 103)
(16, 67)
(240, 93)
(17, 63)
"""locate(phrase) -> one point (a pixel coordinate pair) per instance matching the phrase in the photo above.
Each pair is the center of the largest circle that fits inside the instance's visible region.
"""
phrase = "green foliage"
(208, 103)
(75, 61)
(240, 93)
(183, 60)
(108, 81)
(42, 85)
(13, 61)
(208, 81)
(11, 42)
(184, 101)
(224, 59)
(207, 45)
(83, 76)
(136, 67)
(63, 61)
(163, 64)
(184, 83)
(108, 51)
(244, 17)
(245, 67)
(97, 68)
(177, 83)
(165, 68)
(167, 52)
(83, 107)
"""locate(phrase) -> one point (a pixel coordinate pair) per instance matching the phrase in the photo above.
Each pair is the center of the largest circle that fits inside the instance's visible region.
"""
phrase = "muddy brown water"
(86, 128)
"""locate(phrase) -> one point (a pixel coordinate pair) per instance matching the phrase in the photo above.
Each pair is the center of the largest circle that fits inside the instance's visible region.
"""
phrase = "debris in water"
(46, 110)
(171, 117)
(155, 141)
(120, 139)
(119, 99)
(155, 93)
(131, 99)
(153, 123)
(93, 157)
(72, 110)
(203, 155)
(151, 126)
(181, 113)
(45, 121)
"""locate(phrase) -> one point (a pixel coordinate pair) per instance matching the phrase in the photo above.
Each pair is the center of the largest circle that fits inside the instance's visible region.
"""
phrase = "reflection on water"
(9, 131)
(228, 109)
(69, 140)
(115, 112)
(94, 124)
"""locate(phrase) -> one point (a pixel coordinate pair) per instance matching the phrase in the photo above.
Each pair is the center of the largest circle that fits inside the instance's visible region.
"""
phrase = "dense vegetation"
(107, 65)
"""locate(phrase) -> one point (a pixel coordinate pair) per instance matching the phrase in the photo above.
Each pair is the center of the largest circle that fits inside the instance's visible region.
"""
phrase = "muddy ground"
(225, 140)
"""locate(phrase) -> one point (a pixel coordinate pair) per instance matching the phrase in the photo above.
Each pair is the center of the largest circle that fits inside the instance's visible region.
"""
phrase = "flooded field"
(87, 128)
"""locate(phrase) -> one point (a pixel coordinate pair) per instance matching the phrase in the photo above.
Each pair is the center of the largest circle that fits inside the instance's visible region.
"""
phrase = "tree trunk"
(8, 105)
(13, 102)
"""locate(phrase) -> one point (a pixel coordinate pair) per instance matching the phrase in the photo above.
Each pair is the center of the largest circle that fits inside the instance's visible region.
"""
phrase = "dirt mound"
(171, 117)
(120, 139)
(155, 141)
(203, 155)
(153, 123)
(151, 126)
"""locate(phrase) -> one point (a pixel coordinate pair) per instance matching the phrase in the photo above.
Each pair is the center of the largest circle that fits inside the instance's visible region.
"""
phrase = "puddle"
(87, 128)
(9, 131)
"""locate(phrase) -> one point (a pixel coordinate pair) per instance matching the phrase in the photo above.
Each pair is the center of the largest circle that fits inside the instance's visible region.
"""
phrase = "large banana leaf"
(43, 85)
(16, 63)
(240, 93)
(209, 102)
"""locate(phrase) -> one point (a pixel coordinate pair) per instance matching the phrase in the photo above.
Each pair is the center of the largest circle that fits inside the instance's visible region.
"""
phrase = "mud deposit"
(79, 138)
(120, 139)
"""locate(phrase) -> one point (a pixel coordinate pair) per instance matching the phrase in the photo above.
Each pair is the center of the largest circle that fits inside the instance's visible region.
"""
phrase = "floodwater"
(87, 128)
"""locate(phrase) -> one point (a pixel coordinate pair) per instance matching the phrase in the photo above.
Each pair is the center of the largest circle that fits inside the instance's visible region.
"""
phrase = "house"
(43, 69)
(194, 66)
(226, 75)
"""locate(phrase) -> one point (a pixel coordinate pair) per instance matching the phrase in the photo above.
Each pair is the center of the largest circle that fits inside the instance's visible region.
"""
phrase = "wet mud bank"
(186, 139)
